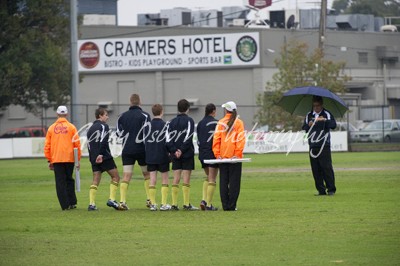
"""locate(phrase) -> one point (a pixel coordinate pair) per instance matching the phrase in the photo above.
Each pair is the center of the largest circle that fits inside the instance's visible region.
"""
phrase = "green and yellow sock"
(123, 188)
(186, 194)
(92, 194)
(210, 192)
(175, 191)
(164, 194)
(152, 194)
(205, 186)
(113, 190)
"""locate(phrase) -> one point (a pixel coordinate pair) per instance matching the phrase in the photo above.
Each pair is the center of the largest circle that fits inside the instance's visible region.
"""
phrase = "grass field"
(278, 222)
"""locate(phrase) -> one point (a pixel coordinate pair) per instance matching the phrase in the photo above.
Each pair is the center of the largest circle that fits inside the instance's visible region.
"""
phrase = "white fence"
(269, 142)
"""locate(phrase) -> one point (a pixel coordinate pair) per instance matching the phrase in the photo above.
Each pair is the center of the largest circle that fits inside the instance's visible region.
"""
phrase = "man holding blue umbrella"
(317, 124)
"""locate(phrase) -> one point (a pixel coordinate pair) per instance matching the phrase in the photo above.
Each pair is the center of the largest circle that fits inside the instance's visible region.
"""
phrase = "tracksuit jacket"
(205, 130)
(317, 133)
(156, 150)
(180, 135)
(229, 144)
(133, 122)
(61, 139)
(97, 137)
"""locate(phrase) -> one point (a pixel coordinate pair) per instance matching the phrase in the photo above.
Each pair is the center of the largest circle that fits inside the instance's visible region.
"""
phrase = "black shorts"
(162, 168)
(104, 166)
(204, 165)
(130, 159)
(183, 164)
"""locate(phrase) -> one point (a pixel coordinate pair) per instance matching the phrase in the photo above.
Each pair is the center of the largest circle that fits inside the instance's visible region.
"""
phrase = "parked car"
(25, 132)
(379, 131)
(342, 126)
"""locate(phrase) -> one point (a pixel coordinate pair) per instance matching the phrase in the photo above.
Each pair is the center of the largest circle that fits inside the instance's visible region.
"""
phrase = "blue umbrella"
(298, 101)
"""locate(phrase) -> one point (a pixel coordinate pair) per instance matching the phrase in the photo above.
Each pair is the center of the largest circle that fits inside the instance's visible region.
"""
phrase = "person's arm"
(47, 146)
(198, 132)
(216, 147)
(240, 140)
(188, 140)
(330, 122)
(47, 149)
(170, 144)
(76, 143)
(306, 125)
(104, 139)
(120, 128)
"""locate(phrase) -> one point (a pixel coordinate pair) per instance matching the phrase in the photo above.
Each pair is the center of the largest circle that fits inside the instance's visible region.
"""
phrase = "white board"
(235, 160)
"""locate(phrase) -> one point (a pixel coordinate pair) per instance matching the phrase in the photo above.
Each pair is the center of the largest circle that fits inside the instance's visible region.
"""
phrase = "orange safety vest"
(61, 139)
(226, 145)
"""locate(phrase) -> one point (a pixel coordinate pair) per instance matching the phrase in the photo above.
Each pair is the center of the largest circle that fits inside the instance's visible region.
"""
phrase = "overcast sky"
(128, 9)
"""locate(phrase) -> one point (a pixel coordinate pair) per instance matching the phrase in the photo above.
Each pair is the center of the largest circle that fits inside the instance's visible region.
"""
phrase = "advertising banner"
(169, 52)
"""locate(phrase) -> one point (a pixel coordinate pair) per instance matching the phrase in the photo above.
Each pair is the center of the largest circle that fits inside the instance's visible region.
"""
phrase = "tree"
(340, 6)
(34, 53)
(297, 68)
(385, 8)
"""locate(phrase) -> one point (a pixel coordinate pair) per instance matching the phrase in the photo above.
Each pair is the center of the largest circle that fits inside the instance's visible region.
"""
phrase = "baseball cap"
(62, 110)
(230, 106)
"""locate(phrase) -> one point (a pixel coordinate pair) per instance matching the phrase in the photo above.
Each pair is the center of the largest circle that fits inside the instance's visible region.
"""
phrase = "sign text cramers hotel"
(193, 51)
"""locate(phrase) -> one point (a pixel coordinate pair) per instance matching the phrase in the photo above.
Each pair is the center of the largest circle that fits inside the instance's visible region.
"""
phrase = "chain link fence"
(369, 127)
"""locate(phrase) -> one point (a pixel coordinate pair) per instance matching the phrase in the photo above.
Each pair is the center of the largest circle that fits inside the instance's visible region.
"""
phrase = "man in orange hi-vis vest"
(61, 139)
(228, 143)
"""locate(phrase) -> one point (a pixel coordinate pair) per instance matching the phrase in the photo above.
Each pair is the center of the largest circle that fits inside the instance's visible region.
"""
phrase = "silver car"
(379, 131)
(344, 126)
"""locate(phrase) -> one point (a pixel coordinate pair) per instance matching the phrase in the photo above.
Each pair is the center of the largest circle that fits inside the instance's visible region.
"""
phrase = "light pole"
(74, 62)
(322, 25)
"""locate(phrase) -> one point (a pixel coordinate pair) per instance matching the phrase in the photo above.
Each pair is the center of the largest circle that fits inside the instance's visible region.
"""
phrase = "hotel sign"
(170, 52)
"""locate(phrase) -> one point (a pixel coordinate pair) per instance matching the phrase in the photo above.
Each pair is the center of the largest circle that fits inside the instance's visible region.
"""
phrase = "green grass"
(279, 221)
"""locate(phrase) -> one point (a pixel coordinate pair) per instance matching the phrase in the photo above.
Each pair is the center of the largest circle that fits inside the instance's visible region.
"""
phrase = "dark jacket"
(205, 133)
(132, 122)
(319, 134)
(97, 137)
(180, 135)
(156, 135)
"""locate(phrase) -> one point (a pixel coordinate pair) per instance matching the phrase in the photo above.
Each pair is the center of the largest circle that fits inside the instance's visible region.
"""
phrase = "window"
(363, 58)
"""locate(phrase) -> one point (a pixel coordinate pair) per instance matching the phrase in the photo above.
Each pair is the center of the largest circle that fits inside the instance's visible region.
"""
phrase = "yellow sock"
(152, 193)
(146, 187)
(205, 185)
(113, 190)
(123, 188)
(210, 192)
(186, 193)
(92, 195)
(175, 191)
(164, 194)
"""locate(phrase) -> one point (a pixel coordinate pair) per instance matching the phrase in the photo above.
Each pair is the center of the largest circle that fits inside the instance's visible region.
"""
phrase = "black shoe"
(174, 208)
(320, 194)
(190, 208)
(331, 193)
(211, 208)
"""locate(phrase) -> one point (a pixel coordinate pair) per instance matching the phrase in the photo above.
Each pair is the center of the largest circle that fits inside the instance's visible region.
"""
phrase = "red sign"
(260, 4)
(89, 55)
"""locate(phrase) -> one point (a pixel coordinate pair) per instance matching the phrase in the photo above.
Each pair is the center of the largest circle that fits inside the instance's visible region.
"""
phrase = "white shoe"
(153, 207)
(166, 207)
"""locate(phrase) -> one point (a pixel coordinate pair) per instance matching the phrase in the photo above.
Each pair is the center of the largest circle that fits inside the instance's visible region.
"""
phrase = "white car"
(379, 131)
